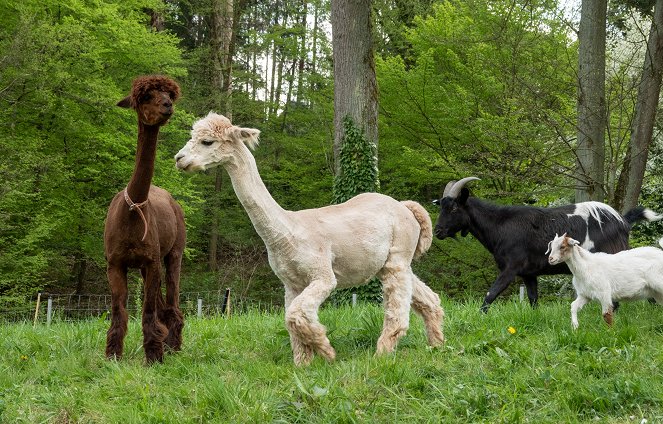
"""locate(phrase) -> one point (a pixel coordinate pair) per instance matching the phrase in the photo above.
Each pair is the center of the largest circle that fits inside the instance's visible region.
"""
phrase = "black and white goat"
(518, 236)
(627, 275)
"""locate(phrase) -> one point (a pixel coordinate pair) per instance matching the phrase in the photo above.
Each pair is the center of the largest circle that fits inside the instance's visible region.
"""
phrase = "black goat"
(518, 236)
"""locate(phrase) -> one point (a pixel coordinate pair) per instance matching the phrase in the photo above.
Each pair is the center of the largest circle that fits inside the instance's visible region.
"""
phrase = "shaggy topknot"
(142, 85)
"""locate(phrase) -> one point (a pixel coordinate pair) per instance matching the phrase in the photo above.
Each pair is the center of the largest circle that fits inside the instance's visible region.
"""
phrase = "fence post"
(225, 306)
(522, 292)
(354, 299)
(49, 311)
(37, 309)
(200, 308)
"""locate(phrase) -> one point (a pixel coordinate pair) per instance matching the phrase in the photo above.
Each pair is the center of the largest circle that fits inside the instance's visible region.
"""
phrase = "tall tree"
(645, 112)
(222, 48)
(591, 101)
(355, 86)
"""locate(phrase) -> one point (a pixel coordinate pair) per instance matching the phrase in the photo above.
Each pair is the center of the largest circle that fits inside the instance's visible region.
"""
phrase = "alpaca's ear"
(125, 103)
(249, 136)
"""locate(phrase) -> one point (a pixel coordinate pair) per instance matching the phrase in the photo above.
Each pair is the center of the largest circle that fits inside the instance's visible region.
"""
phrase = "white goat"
(626, 275)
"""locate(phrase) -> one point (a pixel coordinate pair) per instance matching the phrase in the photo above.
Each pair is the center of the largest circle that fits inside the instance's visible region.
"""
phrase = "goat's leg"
(171, 316)
(576, 306)
(607, 310)
(302, 353)
(117, 279)
(397, 287)
(426, 303)
(503, 280)
(154, 332)
(532, 290)
(301, 317)
(658, 297)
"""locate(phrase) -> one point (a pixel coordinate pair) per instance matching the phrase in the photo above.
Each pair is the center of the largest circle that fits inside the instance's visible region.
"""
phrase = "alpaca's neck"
(139, 185)
(270, 220)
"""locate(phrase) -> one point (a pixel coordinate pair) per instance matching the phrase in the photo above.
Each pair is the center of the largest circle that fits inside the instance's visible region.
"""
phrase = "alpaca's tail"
(425, 225)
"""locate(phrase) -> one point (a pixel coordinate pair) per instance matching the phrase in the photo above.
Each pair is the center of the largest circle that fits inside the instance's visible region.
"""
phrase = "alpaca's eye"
(207, 142)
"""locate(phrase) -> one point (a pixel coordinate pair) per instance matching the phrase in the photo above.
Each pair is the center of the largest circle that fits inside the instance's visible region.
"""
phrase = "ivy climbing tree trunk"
(591, 101)
(355, 86)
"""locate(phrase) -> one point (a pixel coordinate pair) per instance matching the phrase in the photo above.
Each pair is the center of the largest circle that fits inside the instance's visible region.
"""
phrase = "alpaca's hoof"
(437, 342)
(328, 353)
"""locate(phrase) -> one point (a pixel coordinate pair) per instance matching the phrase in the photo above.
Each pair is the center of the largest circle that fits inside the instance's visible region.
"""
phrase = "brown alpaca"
(144, 226)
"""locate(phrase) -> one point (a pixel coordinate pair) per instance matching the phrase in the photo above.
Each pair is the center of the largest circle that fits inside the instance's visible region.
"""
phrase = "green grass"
(240, 370)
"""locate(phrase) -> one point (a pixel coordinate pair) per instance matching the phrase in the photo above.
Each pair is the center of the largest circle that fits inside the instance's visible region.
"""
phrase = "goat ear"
(464, 194)
(125, 103)
(248, 136)
(573, 242)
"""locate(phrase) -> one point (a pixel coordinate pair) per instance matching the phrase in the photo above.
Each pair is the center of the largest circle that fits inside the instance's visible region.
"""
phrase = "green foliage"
(240, 370)
(486, 90)
(66, 148)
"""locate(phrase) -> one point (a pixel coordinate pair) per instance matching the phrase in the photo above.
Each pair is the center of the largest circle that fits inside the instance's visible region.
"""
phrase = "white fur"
(314, 251)
(626, 275)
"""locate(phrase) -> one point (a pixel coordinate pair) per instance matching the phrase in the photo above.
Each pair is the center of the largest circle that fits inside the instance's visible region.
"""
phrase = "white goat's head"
(214, 141)
(560, 248)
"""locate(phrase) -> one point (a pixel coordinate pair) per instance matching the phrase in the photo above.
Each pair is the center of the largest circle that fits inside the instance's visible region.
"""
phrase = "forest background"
(466, 88)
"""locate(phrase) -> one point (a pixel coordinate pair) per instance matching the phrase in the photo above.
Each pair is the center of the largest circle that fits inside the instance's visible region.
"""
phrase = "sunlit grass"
(513, 364)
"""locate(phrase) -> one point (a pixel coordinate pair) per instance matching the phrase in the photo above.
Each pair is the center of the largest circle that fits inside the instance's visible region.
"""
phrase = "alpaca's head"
(152, 97)
(214, 141)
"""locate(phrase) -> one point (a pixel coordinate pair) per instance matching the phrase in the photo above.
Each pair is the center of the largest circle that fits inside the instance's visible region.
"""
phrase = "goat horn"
(447, 188)
(454, 190)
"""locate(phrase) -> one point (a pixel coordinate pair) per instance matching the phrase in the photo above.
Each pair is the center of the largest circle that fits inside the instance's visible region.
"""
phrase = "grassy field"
(240, 370)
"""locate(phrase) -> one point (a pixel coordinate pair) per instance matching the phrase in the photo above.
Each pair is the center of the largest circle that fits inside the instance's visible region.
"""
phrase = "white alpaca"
(314, 251)
(626, 275)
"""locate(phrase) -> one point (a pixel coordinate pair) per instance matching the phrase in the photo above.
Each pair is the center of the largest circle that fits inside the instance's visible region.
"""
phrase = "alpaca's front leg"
(117, 279)
(154, 332)
(302, 353)
(172, 315)
(301, 319)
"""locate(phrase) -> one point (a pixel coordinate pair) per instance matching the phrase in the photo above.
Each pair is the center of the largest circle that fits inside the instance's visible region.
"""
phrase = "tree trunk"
(355, 87)
(591, 101)
(78, 272)
(221, 51)
(645, 111)
(314, 45)
(302, 53)
(222, 28)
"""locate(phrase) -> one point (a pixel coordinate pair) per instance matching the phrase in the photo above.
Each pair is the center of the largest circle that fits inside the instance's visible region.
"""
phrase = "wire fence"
(45, 307)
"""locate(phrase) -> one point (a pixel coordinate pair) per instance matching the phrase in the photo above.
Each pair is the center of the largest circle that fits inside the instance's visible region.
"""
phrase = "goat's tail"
(639, 213)
(425, 227)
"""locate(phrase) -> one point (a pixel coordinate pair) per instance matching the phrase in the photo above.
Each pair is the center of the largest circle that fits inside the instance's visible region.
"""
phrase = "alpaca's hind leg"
(426, 303)
(117, 279)
(301, 318)
(154, 332)
(302, 353)
(397, 294)
(172, 316)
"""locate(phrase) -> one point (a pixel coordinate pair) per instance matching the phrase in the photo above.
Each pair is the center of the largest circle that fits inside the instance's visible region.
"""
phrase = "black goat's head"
(453, 214)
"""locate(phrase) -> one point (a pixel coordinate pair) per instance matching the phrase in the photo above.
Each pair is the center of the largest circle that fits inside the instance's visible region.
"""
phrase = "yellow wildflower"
(511, 330)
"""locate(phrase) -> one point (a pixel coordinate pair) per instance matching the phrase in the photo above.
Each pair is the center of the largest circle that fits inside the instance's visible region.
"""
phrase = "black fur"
(518, 236)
